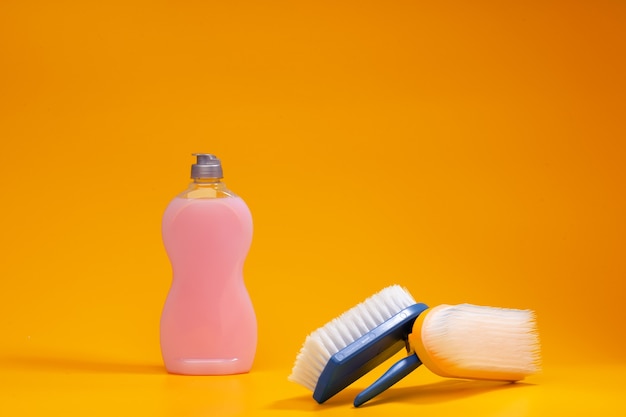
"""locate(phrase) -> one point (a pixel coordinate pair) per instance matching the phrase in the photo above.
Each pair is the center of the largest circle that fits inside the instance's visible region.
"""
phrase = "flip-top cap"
(206, 166)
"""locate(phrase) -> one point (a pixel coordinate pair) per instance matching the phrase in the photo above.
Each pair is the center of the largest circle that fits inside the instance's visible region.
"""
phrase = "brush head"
(477, 342)
(343, 350)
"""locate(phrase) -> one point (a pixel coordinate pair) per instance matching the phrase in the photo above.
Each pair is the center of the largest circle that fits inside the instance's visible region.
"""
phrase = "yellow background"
(471, 151)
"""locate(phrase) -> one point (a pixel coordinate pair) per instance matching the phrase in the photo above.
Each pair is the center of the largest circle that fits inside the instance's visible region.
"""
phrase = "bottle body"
(208, 324)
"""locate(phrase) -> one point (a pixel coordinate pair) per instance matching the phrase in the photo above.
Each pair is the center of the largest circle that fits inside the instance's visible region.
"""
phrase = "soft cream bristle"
(477, 342)
(324, 342)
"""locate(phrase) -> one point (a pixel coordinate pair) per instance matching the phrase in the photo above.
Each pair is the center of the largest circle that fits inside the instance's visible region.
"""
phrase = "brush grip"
(398, 371)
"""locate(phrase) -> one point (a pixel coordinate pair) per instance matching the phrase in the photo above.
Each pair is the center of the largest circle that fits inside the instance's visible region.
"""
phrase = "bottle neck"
(206, 188)
(207, 181)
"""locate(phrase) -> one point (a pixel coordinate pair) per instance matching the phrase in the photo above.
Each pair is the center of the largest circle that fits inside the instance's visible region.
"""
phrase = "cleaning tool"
(351, 345)
(462, 341)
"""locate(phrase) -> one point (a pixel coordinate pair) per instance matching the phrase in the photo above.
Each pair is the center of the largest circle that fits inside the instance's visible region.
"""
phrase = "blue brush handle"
(398, 371)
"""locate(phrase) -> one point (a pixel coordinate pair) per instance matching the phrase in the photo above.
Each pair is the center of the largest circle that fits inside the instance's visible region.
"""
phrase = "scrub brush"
(349, 346)
(462, 341)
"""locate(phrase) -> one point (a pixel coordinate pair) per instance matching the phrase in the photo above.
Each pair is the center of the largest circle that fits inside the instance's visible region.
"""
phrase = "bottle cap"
(206, 166)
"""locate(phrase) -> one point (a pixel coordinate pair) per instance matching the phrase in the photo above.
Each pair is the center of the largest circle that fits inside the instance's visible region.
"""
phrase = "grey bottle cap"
(206, 166)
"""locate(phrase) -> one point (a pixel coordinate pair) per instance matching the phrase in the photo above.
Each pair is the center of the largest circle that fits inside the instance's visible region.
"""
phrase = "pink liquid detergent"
(208, 324)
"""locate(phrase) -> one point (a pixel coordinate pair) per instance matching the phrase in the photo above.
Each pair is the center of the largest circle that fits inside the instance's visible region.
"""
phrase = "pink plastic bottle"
(208, 325)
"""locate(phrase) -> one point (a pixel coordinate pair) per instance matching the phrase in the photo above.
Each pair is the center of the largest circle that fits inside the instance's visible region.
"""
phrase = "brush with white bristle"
(326, 341)
(477, 342)
(462, 341)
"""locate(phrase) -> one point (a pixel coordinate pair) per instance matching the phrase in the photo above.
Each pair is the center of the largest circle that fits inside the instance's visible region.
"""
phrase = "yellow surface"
(96, 387)
(471, 151)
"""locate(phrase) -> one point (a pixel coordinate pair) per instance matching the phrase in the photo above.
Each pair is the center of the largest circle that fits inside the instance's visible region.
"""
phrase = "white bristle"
(324, 342)
(470, 341)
